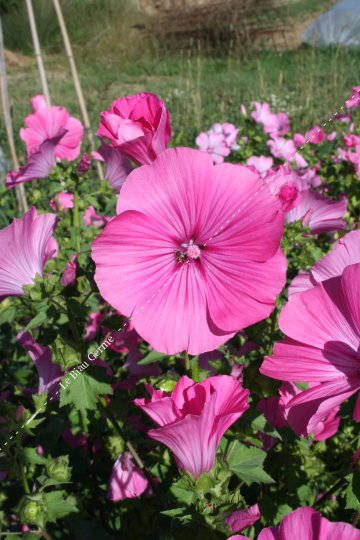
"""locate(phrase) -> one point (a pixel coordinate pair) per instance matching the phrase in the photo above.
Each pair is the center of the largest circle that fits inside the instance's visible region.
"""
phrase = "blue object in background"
(338, 26)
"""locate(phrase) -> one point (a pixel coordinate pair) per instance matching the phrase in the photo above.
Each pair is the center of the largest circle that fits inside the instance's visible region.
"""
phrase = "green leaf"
(30, 455)
(353, 492)
(182, 492)
(8, 315)
(81, 389)
(152, 357)
(247, 463)
(38, 320)
(58, 506)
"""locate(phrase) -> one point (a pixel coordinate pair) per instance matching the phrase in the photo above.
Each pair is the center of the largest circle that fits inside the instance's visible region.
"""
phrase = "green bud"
(33, 510)
(204, 483)
(167, 385)
(58, 469)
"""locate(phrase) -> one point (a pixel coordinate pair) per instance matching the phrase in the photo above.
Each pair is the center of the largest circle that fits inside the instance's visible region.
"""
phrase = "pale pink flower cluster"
(219, 141)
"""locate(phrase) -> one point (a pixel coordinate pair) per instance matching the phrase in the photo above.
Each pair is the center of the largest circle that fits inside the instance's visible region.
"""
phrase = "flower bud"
(58, 469)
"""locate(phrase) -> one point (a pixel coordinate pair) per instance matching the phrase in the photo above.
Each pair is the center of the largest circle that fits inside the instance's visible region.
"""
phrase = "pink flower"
(276, 413)
(276, 124)
(316, 135)
(241, 519)
(174, 239)
(49, 373)
(243, 110)
(93, 219)
(214, 144)
(69, 275)
(306, 524)
(194, 417)
(332, 136)
(93, 326)
(39, 164)
(299, 140)
(47, 123)
(83, 165)
(285, 149)
(127, 481)
(138, 125)
(345, 252)
(24, 251)
(62, 202)
(287, 185)
(118, 166)
(261, 164)
(322, 329)
(320, 213)
(354, 100)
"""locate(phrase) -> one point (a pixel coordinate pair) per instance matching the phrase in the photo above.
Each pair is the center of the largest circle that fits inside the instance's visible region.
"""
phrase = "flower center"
(189, 251)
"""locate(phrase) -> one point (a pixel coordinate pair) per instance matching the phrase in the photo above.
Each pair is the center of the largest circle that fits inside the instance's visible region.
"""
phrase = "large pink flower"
(46, 123)
(345, 252)
(322, 328)
(193, 255)
(127, 481)
(138, 125)
(194, 418)
(306, 524)
(24, 249)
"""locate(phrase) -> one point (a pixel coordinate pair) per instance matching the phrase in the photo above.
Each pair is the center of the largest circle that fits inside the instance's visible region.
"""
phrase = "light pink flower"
(24, 251)
(39, 164)
(332, 136)
(316, 135)
(83, 165)
(243, 110)
(306, 524)
(69, 275)
(49, 373)
(276, 124)
(48, 123)
(287, 185)
(285, 149)
(346, 251)
(138, 125)
(320, 213)
(322, 329)
(163, 243)
(214, 144)
(194, 417)
(261, 164)
(93, 219)
(118, 166)
(62, 202)
(127, 481)
(299, 140)
(354, 100)
(241, 519)
(311, 176)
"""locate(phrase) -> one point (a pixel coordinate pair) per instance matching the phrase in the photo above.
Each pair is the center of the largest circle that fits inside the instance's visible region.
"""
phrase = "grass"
(310, 84)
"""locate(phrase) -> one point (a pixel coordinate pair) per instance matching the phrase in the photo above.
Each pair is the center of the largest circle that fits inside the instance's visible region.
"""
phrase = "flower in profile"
(24, 250)
(118, 166)
(93, 219)
(306, 524)
(241, 519)
(321, 214)
(322, 329)
(62, 202)
(139, 126)
(180, 238)
(49, 373)
(346, 251)
(48, 123)
(194, 417)
(276, 413)
(69, 275)
(127, 481)
(39, 165)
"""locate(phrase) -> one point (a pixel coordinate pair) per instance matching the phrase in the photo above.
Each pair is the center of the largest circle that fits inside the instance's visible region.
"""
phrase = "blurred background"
(203, 57)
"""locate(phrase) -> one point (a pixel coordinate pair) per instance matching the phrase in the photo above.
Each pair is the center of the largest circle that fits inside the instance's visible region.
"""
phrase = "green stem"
(24, 479)
(329, 492)
(187, 362)
(356, 519)
(77, 219)
(195, 369)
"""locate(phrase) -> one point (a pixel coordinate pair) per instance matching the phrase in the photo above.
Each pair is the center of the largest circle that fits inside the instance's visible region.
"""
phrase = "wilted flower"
(83, 165)
(93, 219)
(241, 519)
(69, 275)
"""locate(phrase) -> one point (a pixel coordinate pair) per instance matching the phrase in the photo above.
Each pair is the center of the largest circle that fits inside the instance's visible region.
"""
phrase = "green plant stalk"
(77, 219)
(187, 362)
(195, 368)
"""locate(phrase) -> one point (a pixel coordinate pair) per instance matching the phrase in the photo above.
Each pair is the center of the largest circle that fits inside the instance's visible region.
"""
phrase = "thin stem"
(46, 535)
(24, 479)
(329, 492)
(356, 519)
(195, 369)
(77, 219)
(109, 414)
(187, 362)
